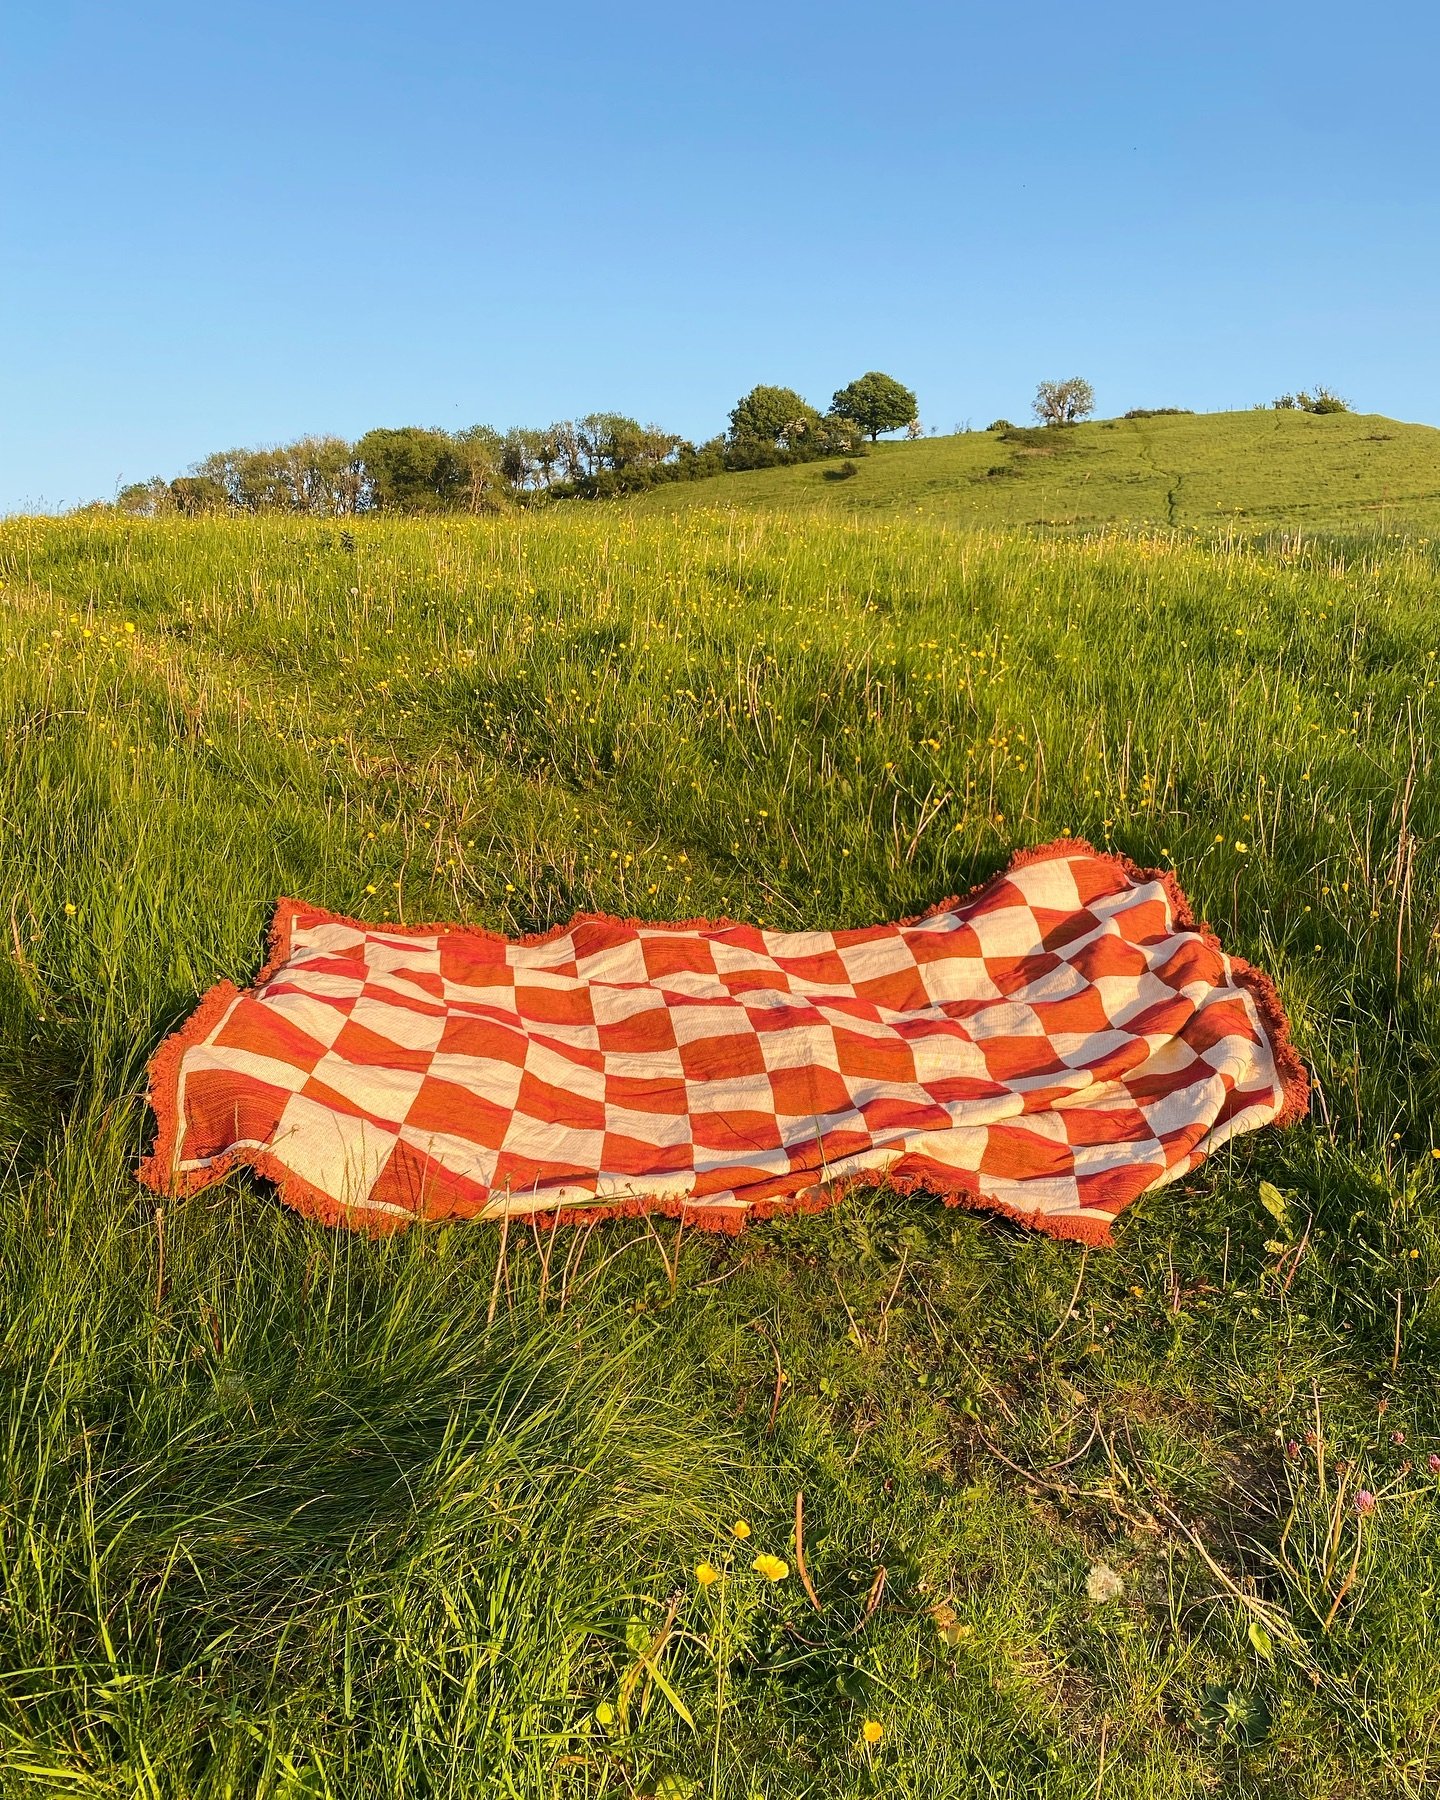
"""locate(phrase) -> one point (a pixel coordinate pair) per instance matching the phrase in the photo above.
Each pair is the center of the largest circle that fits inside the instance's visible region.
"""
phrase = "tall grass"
(285, 1513)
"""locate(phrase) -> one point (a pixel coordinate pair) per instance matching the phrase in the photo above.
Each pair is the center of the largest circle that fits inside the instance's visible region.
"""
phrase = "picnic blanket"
(1055, 1044)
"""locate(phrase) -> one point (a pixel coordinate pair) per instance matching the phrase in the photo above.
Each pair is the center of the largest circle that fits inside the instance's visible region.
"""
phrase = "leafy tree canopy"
(773, 415)
(1064, 402)
(876, 403)
(411, 469)
(195, 494)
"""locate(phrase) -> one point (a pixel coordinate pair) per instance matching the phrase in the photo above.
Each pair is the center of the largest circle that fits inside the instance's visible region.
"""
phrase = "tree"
(411, 469)
(773, 415)
(517, 456)
(253, 480)
(323, 475)
(1064, 402)
(480, 451)
(565, 435)
(150, 499)
(196, 494)
(875, 403)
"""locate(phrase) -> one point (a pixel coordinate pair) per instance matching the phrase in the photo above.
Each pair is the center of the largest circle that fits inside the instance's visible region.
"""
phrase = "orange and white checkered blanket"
(1052, 1046)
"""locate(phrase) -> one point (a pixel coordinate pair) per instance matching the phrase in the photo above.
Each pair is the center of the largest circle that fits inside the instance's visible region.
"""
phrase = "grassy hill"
(285, 1513)
(1351, 471)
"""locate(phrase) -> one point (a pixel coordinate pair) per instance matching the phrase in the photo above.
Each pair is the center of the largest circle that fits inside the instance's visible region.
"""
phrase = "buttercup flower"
(741, 1528)
(774, 1568)
(706, 1573)
(872, 1731)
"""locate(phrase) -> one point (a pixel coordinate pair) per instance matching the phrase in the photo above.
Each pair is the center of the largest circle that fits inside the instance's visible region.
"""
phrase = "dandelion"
(706, 1574)
(773, 1568)
(872, 1731)
(741, 1528)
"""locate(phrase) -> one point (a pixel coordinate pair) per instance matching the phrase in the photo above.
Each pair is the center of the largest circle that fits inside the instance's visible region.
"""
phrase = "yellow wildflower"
(706, 1573)
(741, 1528)
(872, 1731)
(774, 1568)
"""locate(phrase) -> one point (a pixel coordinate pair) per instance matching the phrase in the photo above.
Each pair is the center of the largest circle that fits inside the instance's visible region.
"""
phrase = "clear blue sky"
(230, 226)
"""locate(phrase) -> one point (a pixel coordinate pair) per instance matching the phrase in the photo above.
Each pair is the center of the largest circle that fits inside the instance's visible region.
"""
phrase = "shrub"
(999, 425)
(1034, 437)
(1160, 412)
(1323, 400)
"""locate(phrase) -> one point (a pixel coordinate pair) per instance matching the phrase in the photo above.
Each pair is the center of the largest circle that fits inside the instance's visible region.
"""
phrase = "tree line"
(422, 469)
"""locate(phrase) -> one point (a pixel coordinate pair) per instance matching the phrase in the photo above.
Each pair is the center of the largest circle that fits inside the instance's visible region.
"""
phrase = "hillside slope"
(1346, 470)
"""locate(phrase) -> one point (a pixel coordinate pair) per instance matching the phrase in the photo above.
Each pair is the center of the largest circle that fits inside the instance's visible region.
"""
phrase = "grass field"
(1350, 471)
(290, 1513)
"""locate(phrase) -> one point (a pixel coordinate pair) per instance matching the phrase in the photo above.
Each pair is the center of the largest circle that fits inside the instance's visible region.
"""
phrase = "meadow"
(1243, 470)
(285, 1512)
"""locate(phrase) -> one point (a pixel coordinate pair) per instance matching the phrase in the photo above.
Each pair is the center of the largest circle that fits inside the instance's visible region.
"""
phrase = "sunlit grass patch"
(284, 1513)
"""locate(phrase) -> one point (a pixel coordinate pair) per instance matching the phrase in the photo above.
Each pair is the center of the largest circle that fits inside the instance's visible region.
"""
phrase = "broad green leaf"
(1274, 1203)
